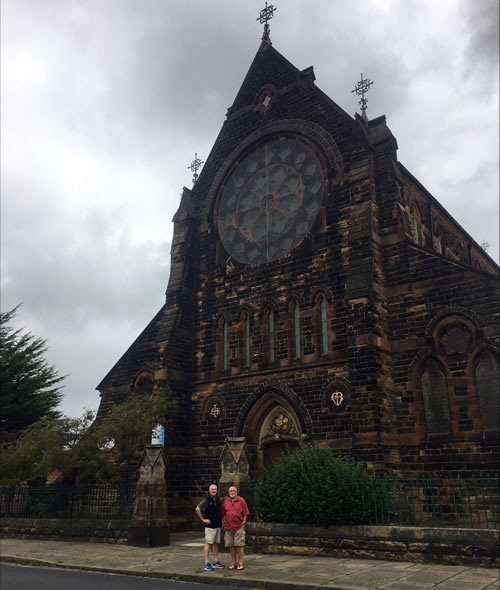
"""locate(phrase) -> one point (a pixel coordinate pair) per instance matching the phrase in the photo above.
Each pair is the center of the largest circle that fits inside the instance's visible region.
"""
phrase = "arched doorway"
(271, 426)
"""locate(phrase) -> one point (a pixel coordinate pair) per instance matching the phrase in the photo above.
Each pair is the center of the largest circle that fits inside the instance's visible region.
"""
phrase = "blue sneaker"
(208, 567)
(218, 565)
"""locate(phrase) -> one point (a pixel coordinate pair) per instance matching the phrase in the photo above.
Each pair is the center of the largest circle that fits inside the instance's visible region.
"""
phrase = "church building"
(318, 293)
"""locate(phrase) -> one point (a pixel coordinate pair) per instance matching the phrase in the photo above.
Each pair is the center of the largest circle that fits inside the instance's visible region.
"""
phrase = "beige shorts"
(212, 535)
(235, 539)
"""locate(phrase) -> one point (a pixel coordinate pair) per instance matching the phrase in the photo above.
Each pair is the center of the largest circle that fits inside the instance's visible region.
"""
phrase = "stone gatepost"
(149, 525)
(234, 464)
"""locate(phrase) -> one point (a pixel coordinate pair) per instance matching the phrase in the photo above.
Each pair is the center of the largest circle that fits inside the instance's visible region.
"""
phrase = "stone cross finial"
(361, 89)
(266, 14)
(195, 166)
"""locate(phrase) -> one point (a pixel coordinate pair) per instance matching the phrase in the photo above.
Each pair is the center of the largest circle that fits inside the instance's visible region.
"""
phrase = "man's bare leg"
(233, 556)
(240, 551)
(206, 552)
(215, 551)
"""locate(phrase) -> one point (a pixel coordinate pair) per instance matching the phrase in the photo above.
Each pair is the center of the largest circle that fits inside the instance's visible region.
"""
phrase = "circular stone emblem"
(270, 200)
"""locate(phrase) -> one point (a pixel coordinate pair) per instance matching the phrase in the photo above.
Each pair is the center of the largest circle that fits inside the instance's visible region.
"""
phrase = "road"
(15, 577)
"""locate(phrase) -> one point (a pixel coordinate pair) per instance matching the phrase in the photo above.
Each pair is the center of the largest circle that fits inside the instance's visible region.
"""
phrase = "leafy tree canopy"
(84, 448)
(30, 388)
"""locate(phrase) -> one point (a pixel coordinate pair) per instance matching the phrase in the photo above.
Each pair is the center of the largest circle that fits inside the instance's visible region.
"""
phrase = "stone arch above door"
(271, 420)
(283, 391)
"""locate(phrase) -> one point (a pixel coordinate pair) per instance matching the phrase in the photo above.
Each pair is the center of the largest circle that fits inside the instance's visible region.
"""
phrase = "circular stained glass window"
(270, 200)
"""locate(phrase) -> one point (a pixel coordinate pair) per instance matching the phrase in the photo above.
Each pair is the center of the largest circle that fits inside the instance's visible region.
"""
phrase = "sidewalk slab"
(183, 561)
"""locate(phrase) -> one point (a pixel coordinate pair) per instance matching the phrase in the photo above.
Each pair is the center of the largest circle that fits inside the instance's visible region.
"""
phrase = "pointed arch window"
(297, 350)
(323, 324)
(144, 383)
(488, 384)
(246, 338)
(439, 241)
(224, 345)
(270, 327)
(415, 225)
(436, 402)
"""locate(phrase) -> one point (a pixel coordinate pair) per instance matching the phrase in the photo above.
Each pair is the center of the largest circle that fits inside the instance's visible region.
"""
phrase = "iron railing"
(99, 502)
(409, 500)
(405, 500)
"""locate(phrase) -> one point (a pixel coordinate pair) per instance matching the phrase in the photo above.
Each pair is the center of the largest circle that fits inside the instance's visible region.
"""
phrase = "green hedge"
(314, 486)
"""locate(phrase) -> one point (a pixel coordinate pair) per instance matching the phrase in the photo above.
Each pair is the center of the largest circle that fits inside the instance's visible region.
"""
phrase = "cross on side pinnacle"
(266, 14)
(195, 166)
(361, 89)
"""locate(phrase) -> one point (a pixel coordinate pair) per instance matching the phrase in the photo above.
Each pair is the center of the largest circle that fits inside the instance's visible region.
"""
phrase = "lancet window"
(245, 322)
(222, 344)
(297, 348)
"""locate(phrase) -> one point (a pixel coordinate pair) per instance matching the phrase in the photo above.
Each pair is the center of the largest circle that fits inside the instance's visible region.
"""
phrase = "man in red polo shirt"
(234, 513)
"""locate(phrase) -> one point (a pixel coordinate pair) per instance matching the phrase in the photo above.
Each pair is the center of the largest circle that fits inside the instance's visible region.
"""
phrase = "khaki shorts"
(212, 535)
(235, 539)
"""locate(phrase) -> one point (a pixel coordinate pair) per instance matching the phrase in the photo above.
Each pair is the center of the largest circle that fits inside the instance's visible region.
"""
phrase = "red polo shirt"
(234, 511)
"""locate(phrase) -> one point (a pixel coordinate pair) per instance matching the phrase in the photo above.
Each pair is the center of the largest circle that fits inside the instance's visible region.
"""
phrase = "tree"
(83, 448)
(48, 445)
(129, 424)
(30, 388)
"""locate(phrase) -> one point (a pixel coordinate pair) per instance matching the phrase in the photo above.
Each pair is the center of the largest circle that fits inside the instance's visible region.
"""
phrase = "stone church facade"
(318, 293)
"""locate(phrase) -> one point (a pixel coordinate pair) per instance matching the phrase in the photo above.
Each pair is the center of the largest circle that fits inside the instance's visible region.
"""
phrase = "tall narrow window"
(324, 326)
(435, 393)
(224, 345)
(271, 335)
(296, 330)
(414, 227)
(487, 375)
(246, 327)
(438, 243)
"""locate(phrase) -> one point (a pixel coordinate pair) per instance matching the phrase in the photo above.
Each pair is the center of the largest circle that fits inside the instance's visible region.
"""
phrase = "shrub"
(314, 486)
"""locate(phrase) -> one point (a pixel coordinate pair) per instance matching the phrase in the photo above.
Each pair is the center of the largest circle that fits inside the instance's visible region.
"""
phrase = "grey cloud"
(105, 103)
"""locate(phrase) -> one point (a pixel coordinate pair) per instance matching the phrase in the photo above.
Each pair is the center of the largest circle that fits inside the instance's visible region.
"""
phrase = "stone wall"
(395, 543)
(62, 529)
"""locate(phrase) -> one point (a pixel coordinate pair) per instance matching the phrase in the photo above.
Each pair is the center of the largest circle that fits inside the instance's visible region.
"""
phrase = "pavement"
(183, 561)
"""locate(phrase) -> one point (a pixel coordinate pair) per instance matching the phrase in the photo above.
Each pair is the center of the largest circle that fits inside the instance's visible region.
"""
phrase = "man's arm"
(246, 512)
(200, 516)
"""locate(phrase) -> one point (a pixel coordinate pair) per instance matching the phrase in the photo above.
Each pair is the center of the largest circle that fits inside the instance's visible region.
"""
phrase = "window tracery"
(459, 378)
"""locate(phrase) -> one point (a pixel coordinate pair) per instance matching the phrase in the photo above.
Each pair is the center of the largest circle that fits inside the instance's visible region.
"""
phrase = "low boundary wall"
(394, 543)
(66, 529)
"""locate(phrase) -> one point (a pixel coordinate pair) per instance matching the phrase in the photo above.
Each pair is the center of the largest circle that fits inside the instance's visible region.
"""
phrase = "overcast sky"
(105, 102)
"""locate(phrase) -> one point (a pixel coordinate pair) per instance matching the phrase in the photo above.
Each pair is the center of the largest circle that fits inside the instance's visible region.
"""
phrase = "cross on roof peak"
(195, 166)
(266, 14)
(361, 89)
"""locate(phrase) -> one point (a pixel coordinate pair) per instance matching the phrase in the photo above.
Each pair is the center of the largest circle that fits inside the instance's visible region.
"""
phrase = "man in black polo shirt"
(209, 512)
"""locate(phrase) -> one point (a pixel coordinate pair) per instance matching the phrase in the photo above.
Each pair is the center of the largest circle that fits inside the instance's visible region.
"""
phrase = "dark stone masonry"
(318, 293)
